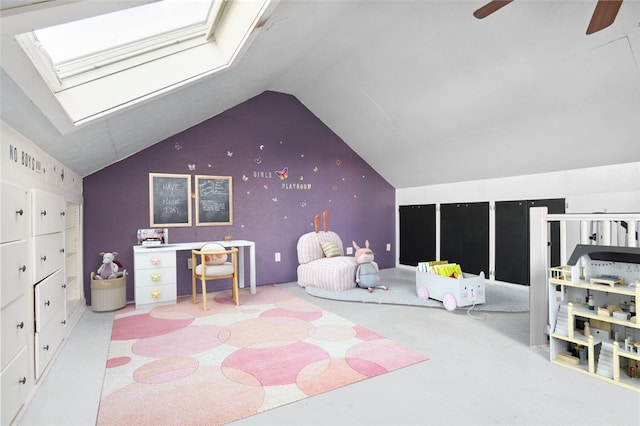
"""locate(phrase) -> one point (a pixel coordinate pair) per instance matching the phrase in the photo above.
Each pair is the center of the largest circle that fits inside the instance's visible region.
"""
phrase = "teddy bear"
(109, 268)
(367, 272)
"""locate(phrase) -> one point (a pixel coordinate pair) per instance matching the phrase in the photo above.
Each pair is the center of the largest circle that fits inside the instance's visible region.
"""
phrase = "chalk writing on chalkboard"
(214, 200)
(169, 200)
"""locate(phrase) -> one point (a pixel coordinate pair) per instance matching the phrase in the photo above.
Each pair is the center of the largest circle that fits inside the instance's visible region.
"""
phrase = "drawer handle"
(62, 250)
(44, 258)
(64, 322)
(20, 212)
(155, 294)
(46, 348)
(22, 381)
(20, 324)
(24, 268)
(155, 276)
(155, 260)
(47, 303)
(43, 213)
(62, 213)
(64, 286)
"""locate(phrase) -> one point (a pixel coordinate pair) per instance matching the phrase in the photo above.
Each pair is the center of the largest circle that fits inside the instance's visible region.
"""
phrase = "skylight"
(102, 64)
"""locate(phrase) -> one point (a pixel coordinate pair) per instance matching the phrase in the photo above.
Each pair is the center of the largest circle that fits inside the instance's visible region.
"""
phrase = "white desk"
(155, 272)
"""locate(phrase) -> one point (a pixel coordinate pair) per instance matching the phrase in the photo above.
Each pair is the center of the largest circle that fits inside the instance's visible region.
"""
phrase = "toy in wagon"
(444, 281)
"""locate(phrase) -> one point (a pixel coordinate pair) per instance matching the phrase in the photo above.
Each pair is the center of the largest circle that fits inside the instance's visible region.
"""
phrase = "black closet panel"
(512, 238)
(512, 242)
(417, 234)
(464, 235)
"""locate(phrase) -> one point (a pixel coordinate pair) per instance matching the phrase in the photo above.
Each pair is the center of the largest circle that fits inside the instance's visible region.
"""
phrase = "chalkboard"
(169, 200)
(214, 200)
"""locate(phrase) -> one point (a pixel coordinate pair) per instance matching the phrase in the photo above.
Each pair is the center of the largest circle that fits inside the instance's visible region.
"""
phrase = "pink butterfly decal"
(338, 161)
(283, 174)
(192, 166)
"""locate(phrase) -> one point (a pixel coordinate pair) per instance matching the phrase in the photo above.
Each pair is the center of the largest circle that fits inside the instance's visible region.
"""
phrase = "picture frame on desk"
(169, 200)
(214, 200)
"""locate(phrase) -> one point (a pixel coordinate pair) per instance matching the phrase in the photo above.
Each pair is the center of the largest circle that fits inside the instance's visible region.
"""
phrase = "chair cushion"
(309, 248)
(217, 259)
(216, 270)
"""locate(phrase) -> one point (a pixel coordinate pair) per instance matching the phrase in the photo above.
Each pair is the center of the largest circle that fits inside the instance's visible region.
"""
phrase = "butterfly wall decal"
(283, 174)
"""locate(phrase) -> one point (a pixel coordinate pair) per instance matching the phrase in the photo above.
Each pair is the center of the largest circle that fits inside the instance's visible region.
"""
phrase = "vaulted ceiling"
(421, 89)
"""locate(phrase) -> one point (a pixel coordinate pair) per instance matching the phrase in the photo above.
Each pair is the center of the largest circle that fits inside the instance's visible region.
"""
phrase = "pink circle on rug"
(186, 341)
(319, 376)
(271, 331)
(165, 370)
(144, 325)
(118, 361)
(192, 399)
(365, 334)
(275, 365)
(386, 354)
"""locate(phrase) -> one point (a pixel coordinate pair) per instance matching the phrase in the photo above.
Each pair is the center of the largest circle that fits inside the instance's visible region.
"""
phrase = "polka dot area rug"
(178, 364)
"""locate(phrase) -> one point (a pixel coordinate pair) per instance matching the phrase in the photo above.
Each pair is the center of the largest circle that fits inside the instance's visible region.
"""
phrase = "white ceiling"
(422, 90)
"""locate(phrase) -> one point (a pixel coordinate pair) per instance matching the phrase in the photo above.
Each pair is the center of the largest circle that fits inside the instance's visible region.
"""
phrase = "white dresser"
(16, 273)
(155, 277)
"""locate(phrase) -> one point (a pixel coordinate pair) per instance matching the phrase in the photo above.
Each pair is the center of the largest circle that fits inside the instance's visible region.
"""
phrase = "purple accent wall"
(250, 142)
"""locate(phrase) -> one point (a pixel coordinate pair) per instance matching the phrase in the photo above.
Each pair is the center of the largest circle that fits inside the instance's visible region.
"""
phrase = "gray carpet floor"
(499, 297)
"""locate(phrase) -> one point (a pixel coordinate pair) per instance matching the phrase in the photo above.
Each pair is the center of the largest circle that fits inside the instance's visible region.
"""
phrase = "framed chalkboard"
(214, 200)
(169, 200)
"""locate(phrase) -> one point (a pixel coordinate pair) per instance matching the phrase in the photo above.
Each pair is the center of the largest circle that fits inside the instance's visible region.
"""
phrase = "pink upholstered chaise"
(316, 270)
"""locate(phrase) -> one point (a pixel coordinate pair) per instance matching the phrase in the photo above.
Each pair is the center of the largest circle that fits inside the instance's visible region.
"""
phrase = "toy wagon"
(466, 290)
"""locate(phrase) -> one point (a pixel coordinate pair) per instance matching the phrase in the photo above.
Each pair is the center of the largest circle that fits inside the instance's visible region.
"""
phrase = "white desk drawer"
(48, 254)
(48, 213)
(155, 277)
(156, 295)
(48, 341)
(14, 329)
(158, 259)
(50, 296)
(16, 384)
(15, 213)
(16, 273)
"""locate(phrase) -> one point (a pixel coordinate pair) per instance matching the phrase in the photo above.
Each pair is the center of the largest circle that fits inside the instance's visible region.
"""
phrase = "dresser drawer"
(48, 341)
(48, 255)
(154, 259)
(14, 213)
(14, 329)
(49, 299)
(15, 273)
(155, 295)
(48, 213)
(155, 277)
(16, 384)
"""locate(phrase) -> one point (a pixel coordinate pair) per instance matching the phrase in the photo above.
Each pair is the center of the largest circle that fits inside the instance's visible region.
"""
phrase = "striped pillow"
(330, 249)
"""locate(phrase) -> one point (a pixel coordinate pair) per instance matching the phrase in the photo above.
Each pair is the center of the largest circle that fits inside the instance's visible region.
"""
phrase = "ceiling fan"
(603, 15)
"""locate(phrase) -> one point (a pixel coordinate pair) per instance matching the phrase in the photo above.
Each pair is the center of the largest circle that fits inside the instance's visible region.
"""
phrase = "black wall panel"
(464, 235)
(512, 238)
(417, 234)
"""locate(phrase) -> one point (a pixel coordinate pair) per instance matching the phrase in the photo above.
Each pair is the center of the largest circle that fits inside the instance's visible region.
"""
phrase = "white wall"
(24, 163)
(612, 189)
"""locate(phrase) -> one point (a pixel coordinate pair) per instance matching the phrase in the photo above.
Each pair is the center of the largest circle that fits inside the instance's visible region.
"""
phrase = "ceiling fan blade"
(604, 15)
(490, 7)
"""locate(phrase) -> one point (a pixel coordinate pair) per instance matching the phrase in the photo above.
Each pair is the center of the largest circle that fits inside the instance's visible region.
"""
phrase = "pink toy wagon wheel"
(423, 293)
(449, 302)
